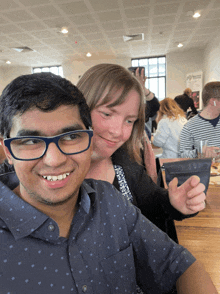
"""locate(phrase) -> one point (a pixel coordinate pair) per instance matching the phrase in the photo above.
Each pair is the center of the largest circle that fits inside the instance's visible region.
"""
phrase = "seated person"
(170, 121)
(59, 233)
(203, 126)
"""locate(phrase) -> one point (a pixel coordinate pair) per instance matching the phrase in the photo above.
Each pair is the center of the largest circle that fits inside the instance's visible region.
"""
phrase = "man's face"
(35, 188)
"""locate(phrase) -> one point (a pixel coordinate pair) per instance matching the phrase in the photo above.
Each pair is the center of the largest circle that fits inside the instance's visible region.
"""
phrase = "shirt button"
(84, 288)
(51, 228)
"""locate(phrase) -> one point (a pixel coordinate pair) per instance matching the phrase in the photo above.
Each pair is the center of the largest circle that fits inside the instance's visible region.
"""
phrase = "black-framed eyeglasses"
(34, 147)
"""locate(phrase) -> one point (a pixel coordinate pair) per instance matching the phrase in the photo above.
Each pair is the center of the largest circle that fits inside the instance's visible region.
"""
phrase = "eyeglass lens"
(29, 148)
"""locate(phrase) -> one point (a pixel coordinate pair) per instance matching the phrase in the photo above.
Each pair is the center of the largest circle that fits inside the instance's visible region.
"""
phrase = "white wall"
(2, 84)
(179, 64)
(212, 61)
(71, 71)
(8, 73)
(77, 68)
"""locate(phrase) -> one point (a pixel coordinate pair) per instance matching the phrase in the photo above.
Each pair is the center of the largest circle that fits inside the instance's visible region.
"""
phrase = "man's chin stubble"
(49, 202)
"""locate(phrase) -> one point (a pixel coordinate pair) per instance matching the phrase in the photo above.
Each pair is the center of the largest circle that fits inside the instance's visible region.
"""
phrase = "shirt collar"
(22, 218)
(87, 196)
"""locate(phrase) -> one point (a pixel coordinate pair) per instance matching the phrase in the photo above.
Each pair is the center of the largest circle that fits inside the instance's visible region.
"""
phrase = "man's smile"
(56, 178)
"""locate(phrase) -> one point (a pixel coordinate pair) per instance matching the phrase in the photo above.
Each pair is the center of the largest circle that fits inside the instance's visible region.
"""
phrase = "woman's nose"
(116, 128)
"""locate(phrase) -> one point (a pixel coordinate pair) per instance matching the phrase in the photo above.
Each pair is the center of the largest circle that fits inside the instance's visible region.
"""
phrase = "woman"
(170, 121)
(116, 100)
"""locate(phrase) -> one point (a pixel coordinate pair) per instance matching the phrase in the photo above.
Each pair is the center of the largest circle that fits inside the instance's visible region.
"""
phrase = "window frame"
(157, 77)
(59, 68)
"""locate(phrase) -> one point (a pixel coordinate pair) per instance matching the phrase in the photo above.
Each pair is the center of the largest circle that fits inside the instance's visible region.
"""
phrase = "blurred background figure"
(152, 104)
(204, 126)
(185, 102)
(170, 121)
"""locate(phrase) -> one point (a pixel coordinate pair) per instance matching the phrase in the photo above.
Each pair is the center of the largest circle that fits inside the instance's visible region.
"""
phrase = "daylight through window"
(155, 72)
(57, 70)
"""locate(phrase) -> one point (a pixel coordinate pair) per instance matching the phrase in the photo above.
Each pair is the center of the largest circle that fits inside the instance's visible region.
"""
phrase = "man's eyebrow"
(26, 132)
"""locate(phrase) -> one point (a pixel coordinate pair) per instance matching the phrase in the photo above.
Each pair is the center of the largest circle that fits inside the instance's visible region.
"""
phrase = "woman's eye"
(106, 114)
(130, 121)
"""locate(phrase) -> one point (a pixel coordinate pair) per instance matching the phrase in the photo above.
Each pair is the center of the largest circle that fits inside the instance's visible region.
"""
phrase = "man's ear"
(5, 150)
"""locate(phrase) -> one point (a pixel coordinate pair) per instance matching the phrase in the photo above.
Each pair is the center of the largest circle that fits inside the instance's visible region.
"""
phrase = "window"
(155, 72)
(57, 70)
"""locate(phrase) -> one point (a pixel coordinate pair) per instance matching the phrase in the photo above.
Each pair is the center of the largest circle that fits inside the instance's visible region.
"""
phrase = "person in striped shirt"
(203, 126)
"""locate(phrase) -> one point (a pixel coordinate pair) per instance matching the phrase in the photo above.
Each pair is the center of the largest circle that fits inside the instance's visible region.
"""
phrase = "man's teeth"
(56, 178)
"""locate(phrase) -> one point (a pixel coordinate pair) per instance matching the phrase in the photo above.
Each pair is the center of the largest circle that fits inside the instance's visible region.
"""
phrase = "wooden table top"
(201, 234)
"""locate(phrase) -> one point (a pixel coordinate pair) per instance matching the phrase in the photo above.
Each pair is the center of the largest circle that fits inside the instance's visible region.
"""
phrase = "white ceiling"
(98, 26)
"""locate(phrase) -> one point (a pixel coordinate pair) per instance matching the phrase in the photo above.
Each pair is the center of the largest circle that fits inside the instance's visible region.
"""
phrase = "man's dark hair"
(45, 91)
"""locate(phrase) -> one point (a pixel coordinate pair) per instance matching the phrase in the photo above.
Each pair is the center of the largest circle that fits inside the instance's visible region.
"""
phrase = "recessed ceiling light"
(8, 62)
(88, 54)
(196, 15)
(180, 45)
(64, 30)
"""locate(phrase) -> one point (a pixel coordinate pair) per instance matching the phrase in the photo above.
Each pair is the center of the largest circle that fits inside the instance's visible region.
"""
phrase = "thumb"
(173, 184)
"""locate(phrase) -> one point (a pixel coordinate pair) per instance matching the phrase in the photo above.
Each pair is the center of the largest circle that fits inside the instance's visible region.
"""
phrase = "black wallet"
(186, 168)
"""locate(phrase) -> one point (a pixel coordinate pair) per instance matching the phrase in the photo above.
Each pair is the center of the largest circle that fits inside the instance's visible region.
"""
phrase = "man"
(204, 126)
(60, 234)
(186, 102)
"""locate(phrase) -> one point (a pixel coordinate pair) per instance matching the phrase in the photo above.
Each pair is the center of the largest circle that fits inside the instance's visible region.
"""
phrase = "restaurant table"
(201, 234)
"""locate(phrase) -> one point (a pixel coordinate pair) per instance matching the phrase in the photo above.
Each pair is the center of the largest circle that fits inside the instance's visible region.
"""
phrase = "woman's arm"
(154, 201)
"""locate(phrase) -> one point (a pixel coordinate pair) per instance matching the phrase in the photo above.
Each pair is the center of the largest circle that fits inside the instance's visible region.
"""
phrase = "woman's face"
(113, 126)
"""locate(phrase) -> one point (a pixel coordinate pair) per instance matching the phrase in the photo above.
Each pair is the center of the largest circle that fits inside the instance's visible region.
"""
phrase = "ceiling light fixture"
(64, 30)
(196, 15)
(22, 49)
(88, 54)
(180, 45)
(8, 62)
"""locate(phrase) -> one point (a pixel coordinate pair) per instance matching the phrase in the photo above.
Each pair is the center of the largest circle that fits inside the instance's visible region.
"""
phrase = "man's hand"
(188, 198)
(212, 151)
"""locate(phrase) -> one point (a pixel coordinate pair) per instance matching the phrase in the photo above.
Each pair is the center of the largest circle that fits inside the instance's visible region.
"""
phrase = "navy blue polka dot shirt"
(111, 248)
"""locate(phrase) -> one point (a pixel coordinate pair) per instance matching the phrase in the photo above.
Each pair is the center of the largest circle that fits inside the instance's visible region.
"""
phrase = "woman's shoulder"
(122, 158)
(165, 120)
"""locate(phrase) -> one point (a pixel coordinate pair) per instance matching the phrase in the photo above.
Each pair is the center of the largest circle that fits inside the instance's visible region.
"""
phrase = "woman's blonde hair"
(170, 108)
(101, 82)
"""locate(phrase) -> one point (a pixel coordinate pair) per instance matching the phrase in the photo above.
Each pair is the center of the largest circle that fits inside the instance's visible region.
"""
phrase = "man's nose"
(53, 156)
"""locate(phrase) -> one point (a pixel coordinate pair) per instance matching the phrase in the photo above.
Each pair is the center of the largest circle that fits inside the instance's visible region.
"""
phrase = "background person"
(116, 101)
(53, 223)
(151, 107)
(204, 126)
(186, 102)
(170, 121)
(152, 103)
